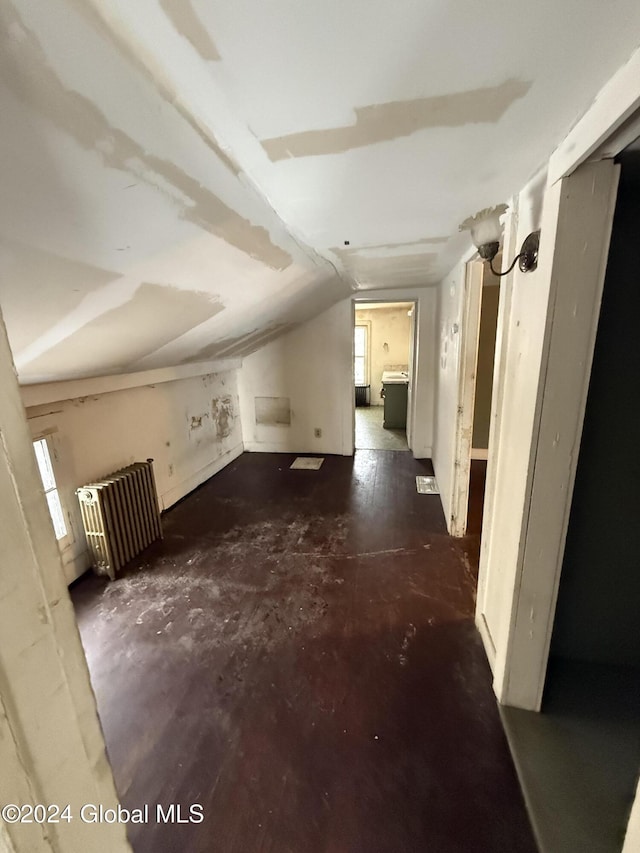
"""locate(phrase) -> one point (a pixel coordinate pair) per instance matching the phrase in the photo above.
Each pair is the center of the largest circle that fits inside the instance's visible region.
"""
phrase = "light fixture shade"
(485, 226)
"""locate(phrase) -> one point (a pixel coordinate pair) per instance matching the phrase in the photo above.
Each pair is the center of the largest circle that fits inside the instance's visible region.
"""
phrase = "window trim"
(43, 439)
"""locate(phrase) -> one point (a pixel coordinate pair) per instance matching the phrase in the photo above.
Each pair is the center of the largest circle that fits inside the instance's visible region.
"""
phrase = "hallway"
(298, 656)
(371, 434)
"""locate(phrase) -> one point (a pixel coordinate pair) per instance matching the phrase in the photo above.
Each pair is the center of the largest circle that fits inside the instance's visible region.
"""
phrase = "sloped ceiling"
(186, 179)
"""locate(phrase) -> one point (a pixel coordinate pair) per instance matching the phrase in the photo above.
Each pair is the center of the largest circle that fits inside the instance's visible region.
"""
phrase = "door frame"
(363, 302)
(469, 336)
(519, 664)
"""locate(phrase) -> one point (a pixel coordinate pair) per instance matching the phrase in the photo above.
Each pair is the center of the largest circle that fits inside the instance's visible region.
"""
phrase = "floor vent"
(307, 463)
(427, 486)
(120, 516)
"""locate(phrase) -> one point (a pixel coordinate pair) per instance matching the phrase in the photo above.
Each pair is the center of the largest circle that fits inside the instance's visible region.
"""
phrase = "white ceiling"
(179, 177)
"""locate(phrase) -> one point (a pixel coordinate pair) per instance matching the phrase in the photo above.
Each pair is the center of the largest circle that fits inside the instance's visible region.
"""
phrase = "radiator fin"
(120, 516)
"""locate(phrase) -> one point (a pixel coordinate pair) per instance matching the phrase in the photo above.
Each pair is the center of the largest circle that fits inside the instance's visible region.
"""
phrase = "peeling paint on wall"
(186, 21)
(273, 411)
(117, 339)
(223, 415)
(24, 68)
(384, 122)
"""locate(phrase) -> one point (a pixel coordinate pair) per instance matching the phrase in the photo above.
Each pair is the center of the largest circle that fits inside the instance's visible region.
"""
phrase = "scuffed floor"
(299, 657)
(370, 433)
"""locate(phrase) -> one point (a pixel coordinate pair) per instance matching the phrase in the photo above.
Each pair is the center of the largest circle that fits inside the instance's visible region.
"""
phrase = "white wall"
(312, 367)
(190, 427)
(390, 336)
(51, 746)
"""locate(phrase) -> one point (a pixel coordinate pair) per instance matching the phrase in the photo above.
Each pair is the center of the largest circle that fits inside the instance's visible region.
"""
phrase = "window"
(361, 355)
(50, 489)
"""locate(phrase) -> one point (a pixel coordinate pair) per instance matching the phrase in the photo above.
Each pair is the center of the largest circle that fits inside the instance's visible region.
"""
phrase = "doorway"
(482, 292)
(580, 756)
(383, 347)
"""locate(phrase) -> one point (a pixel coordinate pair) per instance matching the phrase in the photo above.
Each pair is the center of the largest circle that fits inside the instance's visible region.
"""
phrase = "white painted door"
(548, 335)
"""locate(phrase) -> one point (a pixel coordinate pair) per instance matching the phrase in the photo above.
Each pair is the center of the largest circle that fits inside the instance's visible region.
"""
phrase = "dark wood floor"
(299, 656)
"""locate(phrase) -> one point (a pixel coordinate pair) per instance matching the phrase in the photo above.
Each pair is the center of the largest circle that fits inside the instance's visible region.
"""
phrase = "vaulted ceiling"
(183, 180)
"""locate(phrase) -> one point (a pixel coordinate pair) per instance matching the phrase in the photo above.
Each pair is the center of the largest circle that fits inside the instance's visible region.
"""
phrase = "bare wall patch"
(101, 25)
(384, 122)
(32, 277)
(117, 339)
(186, 21)
(273, 411)
(24, 67)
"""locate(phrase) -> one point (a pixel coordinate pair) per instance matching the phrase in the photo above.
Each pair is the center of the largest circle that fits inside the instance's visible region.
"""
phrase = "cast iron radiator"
(120, 516)
(362, 395)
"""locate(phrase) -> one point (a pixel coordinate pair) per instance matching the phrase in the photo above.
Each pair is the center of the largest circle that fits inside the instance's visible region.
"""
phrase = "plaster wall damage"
(190, 427)
(386, 122)
(202, 164)
(184, 18)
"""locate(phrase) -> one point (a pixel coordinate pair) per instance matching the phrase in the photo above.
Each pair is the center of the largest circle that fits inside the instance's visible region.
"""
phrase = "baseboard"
(487, 641)
(272, 447)
(422, 452)
(76, 566)
(178, 492)
(479, 453)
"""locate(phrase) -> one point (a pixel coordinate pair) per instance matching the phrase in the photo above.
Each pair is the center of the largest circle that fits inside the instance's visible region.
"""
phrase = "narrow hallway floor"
(298, 656)
(370, 433)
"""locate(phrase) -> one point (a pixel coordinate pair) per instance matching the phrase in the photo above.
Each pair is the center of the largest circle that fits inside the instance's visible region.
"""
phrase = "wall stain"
(384, 122)
(186, 21)
(155, 315)
(223, 415)
(24, 68)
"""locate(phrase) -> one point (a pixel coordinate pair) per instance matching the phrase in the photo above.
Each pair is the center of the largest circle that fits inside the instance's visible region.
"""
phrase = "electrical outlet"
(317, 432)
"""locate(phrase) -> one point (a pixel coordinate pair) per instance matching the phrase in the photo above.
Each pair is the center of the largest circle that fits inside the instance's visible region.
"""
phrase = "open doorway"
(478, 346)
(587, 739)
(482, 393)
(383, 346)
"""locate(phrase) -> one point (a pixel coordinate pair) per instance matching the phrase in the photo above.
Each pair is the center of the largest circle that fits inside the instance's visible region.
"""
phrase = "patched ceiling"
(184, 180)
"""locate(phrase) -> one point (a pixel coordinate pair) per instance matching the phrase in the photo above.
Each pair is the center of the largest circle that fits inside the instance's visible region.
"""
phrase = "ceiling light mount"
(486, 231)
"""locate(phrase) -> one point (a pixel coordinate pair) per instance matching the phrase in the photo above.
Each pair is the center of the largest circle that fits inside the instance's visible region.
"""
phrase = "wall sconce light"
(486, 232)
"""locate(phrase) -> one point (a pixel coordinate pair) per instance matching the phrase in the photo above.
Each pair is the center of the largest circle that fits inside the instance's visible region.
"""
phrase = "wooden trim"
(466, 394)
(72, 389)
(616, 102)
(577, 271)
(479, 453)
